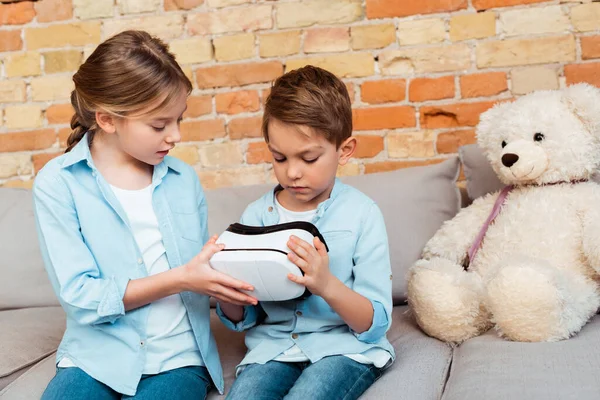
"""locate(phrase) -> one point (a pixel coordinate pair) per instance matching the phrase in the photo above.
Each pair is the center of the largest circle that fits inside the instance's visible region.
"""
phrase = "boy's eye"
(311, 161)
(279, 160)
(159, 128)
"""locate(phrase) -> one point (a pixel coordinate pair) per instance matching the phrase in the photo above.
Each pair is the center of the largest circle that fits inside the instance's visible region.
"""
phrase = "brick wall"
(419, 71)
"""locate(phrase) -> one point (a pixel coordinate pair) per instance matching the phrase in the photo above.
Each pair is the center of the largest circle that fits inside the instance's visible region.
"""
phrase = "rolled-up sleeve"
(249, 320)
(372, 273)
(88, 297)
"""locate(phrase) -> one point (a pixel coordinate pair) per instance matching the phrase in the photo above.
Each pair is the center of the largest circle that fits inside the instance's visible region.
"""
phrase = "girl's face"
(149, 137)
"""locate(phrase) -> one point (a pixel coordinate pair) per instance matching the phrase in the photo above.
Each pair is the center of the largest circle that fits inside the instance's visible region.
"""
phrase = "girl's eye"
(279, 160)
(158, 128)
(311, 161)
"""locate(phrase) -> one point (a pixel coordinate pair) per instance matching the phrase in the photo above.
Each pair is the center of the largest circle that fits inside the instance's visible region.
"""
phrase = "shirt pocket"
(341, 250)
(186, 218)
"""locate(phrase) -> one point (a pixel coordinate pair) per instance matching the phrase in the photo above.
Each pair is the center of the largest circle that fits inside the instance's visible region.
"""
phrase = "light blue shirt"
(354, 230)
(90, 254)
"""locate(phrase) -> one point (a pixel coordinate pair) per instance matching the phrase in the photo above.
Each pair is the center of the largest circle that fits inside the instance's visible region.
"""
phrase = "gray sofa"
(414, 202)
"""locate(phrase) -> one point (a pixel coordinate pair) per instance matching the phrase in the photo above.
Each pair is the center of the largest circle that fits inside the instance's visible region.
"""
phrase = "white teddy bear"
(535, 274)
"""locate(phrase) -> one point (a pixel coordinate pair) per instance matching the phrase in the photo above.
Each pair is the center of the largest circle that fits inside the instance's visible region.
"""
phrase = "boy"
(331, 345)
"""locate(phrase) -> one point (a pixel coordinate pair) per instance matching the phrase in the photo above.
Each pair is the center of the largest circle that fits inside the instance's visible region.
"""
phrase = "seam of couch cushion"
(29, 371)
(448, 371)
(29, 364)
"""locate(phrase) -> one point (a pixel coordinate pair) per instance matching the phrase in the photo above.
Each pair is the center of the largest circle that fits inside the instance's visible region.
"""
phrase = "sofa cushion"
(27, 336)
(420, 370)
(491, 368)
(24, 280)
(414, 202)
(481, 178)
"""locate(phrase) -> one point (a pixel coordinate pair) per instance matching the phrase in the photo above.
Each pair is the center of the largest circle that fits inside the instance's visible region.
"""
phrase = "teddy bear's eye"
(538, 137)
(503, 143)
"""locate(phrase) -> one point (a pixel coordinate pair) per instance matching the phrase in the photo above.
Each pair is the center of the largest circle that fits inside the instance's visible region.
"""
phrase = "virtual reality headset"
(258, 256)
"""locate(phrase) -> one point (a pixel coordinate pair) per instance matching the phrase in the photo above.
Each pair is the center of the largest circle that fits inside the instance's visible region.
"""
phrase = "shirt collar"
(81, 152)
(271, 217)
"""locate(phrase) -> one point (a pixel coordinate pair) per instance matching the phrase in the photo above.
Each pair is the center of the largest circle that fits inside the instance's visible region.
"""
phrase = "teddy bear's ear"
(584, 101)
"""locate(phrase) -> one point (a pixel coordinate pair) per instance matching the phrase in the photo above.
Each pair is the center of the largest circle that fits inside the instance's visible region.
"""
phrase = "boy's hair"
(126, 74)
(313, 97)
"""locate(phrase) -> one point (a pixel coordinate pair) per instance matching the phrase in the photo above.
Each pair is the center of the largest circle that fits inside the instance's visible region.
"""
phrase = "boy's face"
(305, 164)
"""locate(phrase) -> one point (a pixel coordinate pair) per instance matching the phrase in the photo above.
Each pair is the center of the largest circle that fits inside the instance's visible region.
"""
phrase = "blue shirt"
(354, 230)
(90, 255)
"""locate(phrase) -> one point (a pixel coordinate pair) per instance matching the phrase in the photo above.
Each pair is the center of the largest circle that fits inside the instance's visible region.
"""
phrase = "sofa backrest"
(414, 202)
(23, 279)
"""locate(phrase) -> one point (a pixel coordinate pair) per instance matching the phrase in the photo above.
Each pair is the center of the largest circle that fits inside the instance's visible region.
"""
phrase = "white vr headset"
(258, 256)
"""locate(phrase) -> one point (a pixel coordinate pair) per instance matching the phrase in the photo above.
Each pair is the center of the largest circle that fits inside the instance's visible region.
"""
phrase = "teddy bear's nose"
(509, 159)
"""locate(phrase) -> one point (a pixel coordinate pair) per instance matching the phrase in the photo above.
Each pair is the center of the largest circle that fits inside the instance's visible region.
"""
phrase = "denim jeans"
(331, 378)
(181, 383)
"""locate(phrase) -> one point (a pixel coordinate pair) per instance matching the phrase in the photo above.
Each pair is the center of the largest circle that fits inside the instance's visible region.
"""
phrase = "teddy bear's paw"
(537, 302)
(446, 300)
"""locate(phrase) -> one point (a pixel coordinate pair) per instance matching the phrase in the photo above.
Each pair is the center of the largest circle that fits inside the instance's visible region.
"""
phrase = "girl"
(120, 226)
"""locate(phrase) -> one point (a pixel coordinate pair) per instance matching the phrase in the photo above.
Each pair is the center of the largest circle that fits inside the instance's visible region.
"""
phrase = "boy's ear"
(105, 121)
(346, 150)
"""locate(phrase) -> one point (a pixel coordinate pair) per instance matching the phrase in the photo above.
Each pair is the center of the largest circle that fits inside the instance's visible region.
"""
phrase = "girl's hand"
(200, 277)
(313, 261)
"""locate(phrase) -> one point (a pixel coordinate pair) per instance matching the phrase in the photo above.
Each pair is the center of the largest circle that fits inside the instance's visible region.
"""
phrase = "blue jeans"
(185, 383)
(331, 378)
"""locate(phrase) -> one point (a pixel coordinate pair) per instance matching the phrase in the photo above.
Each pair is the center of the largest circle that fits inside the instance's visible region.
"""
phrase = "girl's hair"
(126, 74)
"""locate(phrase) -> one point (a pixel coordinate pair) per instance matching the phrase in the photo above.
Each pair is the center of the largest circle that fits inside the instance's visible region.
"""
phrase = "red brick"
(10, 40)
(16, 13)
(245, 128)
(486, 4)
(30, 140)
(63, 135)
(384, 91)
(350, 88)
(172, 5)
(383, 118)
(404, 8)
(481, 85)
(453, 115)
(264, 94)
(258, 153)
(578, 73)
(368, 146)
(54, 10)
(423, 89)
(59, 113)
(449, 142)
(238, 102)
(39, 160)
(198, 131)
(238, 74)
(590, 47)
(385, 166)
(197, 106)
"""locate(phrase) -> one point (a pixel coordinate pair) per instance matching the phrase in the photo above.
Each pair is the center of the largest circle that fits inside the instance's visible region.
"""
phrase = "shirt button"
(391, 277)
(270, 209)
(294, 336)
(140, 261)
(299, 313)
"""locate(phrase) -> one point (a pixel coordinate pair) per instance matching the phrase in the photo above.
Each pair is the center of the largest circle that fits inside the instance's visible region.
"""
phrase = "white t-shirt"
(170, 341)
(378, 357)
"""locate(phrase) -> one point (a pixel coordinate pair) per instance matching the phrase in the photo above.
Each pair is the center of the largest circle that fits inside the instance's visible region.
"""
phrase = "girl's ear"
(346, 150)
(105, 121)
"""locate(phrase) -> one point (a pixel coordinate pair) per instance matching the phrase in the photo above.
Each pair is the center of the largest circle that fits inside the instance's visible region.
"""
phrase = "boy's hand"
(200, 277)
(313, 261)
